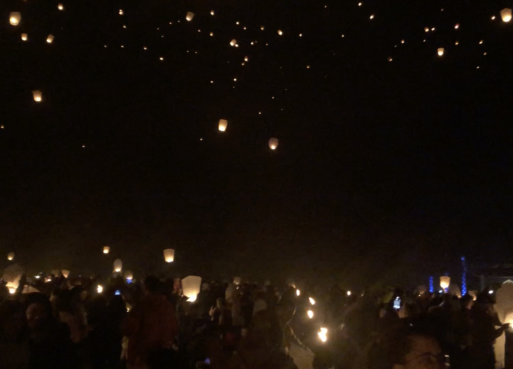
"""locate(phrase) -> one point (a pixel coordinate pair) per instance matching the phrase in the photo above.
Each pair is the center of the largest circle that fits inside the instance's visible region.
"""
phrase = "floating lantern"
(189, 16)
(372, 16)
(65, 273)
(493, 17)
(312, 301)
(426, 29)
(14, 18)
(49, 39)
(223, 124)
(233, 42)
(273, 143)
(121, 12)
(348, 293)
(505, 14)
(481, 42)
(390, 59)
(169, 255)
(280, 32)
(440, 51)
(24, 37)
(99, 289)
(191, 287)
(12, 290)
(246, 59)
(10, 256)
(212, 12)
(60, 7)
(323, 334)
(106, 249)
(298, 293)
(457, 26)
(237, 280)
(128, 275)
(310, 314)
(456, 43)
(37, 95)
(118, 265)
(445, 282)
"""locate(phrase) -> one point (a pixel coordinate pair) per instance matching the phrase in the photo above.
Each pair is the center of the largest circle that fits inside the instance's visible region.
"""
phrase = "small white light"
(348, 293)
(491, 291)
(372, 16)
(312, 301)
(60, 7)
(310, 314)
(121, 12)
(212, 12)
(12, 291)
(457, 26)
(280, 32)
(37, 276)
(298, 292)
(99, 289)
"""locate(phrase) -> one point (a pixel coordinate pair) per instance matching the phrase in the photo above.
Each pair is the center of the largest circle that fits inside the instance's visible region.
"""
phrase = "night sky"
(383, 167)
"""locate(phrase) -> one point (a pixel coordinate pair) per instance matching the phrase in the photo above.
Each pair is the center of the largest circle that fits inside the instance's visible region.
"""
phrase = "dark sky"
(382, 167)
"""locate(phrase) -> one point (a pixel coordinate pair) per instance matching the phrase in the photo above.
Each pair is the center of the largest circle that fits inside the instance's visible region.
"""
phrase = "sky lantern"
(323, 334)
(280, 32)
(128, 275)
(118, 265)
(24, 37)
(14, 18)
(505, 14)
(445, 282)
(212, 12)
(237, 280)
(457, 26)
(310, 314)
(60, 7)
(169, 255)
(298, 293)
(106, 249)
(121, 12)
(426, 29)
(273, 143)
(49, 39)
(440, 51)
(99, 289)
(191, 286)
(189, 16)
(372, 16)
(65, 273)
(10, 256)
(312, 301)
(38, 95)
(233, 42)
(223, 124)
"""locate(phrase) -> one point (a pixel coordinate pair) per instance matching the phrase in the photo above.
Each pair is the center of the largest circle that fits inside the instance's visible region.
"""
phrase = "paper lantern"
(440, 51)
(273, 143)
(106, 249)
(38, 95)
(99, 289)
(49, 39)
(310, 314)
(121, 12)
(323, 334)
(298, 293)
(169, 255)
(223, 124)
(128, 275)
(426, 29)
(65, 273)
(24, 37)
(280, 32)
(10, 256)
(118, 265)
(312, 301)
(348, 293)
(14, 18)
(233, 42)
(189, 16)
(445, 282)
(237, 280)
(505, 14)
(60, 7)
(191, 287)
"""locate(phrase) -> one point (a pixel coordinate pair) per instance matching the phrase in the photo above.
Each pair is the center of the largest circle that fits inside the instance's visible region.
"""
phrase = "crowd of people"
(72, 323)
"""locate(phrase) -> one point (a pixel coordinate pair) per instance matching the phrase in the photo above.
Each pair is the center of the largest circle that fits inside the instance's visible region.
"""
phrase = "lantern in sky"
(312, 301)
(457, 26)
(298, 293)
(49, 39)
(348, 293)
(169, 255)
(191, 287)
(280, 32)
(223, 124)
(24, 37)
(310, 314)
(37, 95)
(273, 143)
(60, 7)
(129, 275)
(505, 14)
(10, 256)
(106, 249)
(65, 273)
(445, 282)
(237, 280)
(118, 265)
(426, 29)
(121, 12)
(189, 16)
(14, 18)
(99, 289)
(212, 12)
(323, 334)
(440, 51)
(233, 42)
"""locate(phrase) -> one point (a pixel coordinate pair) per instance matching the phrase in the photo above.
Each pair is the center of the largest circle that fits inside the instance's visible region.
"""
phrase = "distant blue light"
(431, 285)
(463, 276)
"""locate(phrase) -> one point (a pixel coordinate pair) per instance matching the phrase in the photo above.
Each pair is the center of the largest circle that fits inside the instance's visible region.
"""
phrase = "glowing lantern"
(246, 59)
(212, 12)
(128, 275)
(445, 282)
(169, 255)
(60, 7)
(49, 39)
(118, 265)
(237, 280)
(106, 249)
(12, 290)
(457, 26)
(310, 314)
(440, 51)
(14, 18)
(191, 287)
(99, 289)
(348, 293)
(323, 334)
(121, 12)
(233, 42)
(372, 16)
(273, 143)
(10, 256)
(24, 37)
(505, 14)
(223, 124)
(38, 95)
(189, 16)
(298, 293)
(426, 29)
(280, 32)
(65, 273)
(312, 301)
